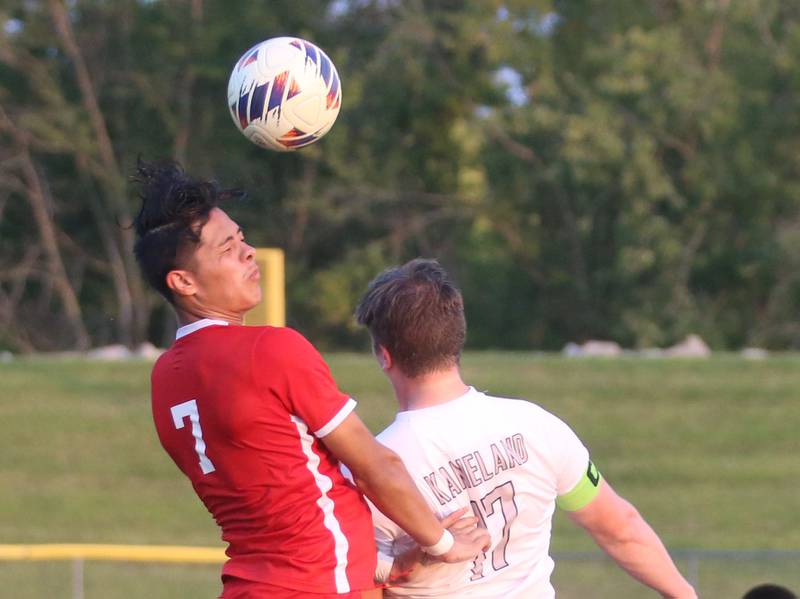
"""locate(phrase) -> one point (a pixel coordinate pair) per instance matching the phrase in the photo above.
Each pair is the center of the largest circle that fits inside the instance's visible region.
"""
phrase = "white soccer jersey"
(509, 459)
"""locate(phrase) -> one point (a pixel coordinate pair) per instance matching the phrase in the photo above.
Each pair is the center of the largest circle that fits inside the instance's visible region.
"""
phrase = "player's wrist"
(442, 546)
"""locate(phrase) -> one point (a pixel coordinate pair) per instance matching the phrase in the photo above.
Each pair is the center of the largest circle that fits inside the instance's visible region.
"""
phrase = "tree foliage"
(622, 170)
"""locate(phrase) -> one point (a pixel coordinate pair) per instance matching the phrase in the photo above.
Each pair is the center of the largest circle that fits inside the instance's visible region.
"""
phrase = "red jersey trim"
(348, 407)
(326, 504)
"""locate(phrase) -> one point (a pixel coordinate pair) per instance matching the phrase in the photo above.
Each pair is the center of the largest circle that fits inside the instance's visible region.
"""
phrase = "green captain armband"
(583, 493)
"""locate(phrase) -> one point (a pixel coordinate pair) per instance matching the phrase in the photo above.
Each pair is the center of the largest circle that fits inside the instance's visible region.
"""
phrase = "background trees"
(624, 170)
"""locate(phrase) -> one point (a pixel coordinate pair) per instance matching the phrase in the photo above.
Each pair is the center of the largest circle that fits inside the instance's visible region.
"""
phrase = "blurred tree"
(651, 149)
(622, 170)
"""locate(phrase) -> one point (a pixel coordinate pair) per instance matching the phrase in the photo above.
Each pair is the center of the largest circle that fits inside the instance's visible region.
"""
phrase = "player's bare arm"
(619, 529)
(380, 474)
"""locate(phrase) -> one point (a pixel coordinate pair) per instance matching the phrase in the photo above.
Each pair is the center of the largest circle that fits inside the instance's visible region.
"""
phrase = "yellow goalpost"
(272, 309)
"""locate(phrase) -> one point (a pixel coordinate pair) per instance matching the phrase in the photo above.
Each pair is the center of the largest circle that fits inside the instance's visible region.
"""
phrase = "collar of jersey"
(197, 325)
(471, 392)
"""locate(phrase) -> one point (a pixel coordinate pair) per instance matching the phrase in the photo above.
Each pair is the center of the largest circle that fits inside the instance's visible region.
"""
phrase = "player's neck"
(190, 315)
(428, 390)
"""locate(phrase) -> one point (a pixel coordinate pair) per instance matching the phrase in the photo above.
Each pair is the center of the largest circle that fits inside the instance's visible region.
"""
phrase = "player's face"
(224, 269)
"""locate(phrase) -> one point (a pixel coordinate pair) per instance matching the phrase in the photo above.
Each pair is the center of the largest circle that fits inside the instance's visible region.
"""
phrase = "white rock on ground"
(593, 348)
(109, 352)
(691, 347)
(754, 353)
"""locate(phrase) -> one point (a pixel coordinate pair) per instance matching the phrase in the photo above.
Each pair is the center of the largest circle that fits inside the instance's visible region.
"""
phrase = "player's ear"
(181, 282)
(384, 357)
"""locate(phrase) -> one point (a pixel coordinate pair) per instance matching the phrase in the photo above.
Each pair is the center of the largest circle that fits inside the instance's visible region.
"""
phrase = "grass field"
(707, 450)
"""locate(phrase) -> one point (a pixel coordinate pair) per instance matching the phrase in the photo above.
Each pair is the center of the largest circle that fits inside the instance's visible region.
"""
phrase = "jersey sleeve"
(305, 386)
(583, 492)
(576, 479)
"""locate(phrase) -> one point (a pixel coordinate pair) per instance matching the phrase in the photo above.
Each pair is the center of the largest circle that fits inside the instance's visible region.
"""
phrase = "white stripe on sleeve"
(348, 407)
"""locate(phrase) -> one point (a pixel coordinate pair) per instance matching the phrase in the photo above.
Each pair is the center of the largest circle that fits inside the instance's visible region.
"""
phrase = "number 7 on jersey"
(189, 409)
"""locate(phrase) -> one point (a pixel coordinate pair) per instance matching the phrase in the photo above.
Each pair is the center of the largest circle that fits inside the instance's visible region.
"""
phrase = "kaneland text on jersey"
(470, 470)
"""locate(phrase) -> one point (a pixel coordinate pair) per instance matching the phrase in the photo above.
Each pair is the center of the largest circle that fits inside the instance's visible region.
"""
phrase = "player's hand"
(459, 517)
(470, 540)
(459, 521)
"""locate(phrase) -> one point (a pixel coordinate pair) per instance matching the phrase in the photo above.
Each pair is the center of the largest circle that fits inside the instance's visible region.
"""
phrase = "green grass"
(707, 450)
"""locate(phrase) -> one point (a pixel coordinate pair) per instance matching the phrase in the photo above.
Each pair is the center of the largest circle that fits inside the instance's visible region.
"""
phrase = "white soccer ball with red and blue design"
(284, 93)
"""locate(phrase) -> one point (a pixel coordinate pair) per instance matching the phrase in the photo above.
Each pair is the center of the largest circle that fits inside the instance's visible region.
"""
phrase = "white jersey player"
(508, 460)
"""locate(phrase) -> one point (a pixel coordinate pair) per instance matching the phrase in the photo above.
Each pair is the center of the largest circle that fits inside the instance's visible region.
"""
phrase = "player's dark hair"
(769, 591)
(416, 312)
(174, 210)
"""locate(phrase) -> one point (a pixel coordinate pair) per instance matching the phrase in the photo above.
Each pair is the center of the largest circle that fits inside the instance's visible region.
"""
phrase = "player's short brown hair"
(416, 312)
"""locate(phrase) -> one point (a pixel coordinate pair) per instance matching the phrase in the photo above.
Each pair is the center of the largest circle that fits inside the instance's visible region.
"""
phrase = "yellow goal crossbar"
(117, 553)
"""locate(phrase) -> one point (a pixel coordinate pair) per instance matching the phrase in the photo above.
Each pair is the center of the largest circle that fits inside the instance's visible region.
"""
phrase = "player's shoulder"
(406, 436)
(388, 433)
(166, 359)
(277, 338)
(394, 436)
(550, 432)
(161, 363)
(520, 410)
(282, 344)
(513, 405)
(239, 339)
(283, 334)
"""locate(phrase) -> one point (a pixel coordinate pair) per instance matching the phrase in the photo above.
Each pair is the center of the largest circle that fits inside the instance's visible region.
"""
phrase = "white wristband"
(442, 546)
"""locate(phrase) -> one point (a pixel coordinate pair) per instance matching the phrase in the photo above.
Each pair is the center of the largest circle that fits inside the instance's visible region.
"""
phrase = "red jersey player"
(253, 418)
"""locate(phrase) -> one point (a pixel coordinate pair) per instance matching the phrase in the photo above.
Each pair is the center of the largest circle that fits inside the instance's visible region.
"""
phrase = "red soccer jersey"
(240, 410)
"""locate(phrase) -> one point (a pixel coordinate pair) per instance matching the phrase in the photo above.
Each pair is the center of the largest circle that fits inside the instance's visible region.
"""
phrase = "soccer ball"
(284, 93)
